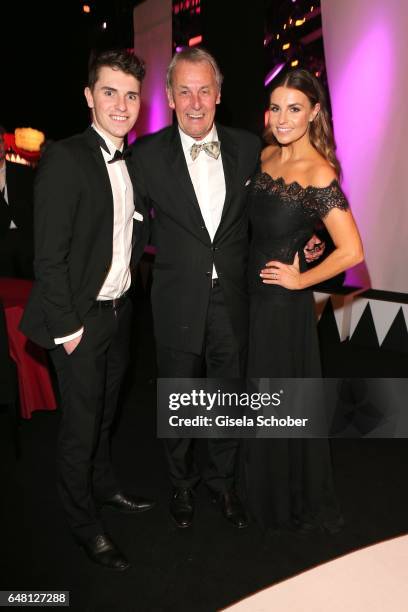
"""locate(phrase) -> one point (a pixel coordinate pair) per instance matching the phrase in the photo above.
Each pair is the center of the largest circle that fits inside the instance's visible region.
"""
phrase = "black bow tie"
(120, 155)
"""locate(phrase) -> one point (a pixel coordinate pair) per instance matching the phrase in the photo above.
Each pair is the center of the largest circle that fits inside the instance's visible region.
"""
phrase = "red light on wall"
(186, 5)
(195, 41)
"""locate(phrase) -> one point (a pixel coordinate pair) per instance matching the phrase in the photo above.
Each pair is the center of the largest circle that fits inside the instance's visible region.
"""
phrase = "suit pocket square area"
(137, 216)
(248, 182)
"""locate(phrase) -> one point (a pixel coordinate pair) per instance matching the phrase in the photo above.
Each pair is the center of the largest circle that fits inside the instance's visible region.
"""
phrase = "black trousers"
(89, 381)
(221, 358)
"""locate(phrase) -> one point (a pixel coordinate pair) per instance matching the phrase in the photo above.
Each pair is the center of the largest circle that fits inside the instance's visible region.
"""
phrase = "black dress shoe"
(182, 507)
(123, 503)
(232, 508)
(103, 551)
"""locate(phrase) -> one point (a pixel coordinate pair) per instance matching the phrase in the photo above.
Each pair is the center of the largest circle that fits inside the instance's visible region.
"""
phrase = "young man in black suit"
(16, 217)
(195, 175)
(86, 220)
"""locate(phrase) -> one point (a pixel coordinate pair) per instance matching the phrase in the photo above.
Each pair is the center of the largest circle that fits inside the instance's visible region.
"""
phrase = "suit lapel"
(12, 193)
(92, 140)
(179, 168)
(5, 216)
(229, 155)
(95, 149)
(12, 185)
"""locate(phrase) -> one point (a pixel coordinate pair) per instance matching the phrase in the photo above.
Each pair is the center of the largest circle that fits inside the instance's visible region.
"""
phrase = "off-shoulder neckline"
(282, 181)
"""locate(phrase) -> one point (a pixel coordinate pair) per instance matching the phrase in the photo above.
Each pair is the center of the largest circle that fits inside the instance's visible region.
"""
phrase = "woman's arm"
(348, 253)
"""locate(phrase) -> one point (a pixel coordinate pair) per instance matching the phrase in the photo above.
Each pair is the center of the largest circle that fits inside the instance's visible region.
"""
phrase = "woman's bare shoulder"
(321, 174)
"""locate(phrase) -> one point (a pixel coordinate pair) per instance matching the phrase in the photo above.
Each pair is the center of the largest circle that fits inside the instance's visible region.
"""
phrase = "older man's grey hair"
(193, 55)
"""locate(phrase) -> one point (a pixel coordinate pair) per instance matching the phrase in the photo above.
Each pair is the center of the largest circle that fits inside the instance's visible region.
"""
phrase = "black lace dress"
(287, 482)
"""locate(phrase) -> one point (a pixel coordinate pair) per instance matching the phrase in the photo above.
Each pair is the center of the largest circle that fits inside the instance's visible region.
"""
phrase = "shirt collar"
(187, 141)
(112, 147)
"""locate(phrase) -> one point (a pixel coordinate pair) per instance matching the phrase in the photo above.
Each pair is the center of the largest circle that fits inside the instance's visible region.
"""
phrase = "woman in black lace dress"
(288, 481)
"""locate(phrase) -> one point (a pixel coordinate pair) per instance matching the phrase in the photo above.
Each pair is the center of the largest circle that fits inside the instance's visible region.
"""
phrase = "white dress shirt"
(207, 176)
(118, 278)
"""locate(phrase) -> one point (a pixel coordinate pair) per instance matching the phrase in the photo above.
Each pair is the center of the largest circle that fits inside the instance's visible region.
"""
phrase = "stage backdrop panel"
(367, 66)
(152, 23)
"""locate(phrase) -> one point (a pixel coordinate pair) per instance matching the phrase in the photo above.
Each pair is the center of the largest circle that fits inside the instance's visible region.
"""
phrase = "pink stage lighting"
(273, 73)
(195, 41)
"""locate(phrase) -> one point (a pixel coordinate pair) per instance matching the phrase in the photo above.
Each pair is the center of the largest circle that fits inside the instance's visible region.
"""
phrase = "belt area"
(112, 304)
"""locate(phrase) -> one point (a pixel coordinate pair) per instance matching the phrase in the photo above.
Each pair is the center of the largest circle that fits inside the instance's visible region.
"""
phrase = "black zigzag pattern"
(364, 333)
(397, 336)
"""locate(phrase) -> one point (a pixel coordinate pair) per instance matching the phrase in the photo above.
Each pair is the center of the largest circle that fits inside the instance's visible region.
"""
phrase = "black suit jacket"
(19, 180)
(73, 220)
(185, 253)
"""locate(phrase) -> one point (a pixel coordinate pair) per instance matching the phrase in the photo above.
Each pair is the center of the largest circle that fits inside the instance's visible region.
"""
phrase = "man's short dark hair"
(120, 59)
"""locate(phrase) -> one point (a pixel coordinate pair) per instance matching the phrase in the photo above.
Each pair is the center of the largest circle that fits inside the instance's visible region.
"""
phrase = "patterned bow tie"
(211, 148)
(120, 155)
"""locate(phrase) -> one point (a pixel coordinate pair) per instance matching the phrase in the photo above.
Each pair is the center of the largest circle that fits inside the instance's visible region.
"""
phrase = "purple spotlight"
(273, 73)
(178, 49)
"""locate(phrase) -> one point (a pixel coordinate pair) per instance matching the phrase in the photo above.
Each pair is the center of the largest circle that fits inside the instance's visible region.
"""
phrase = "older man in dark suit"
(196, 175)
(85, 223)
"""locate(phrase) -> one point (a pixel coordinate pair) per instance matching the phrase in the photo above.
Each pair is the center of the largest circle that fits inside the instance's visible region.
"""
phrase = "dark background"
(45, 48)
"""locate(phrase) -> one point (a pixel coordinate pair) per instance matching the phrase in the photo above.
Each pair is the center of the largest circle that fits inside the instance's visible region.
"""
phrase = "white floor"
(374, 579)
